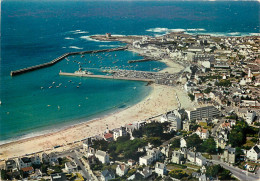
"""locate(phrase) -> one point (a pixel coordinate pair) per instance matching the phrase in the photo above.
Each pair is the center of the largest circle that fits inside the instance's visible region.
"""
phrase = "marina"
(36, 67)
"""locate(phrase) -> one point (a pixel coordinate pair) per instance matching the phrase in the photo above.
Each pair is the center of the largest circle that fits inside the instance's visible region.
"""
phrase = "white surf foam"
(75, 47)
(91, 39)
(69, 38)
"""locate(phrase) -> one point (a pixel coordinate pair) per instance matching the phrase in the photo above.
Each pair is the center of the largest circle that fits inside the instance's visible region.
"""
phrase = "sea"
(34, 32)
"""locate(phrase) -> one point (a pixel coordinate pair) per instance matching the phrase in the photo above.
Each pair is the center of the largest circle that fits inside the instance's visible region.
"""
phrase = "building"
(250, 117)
(107, 175)
(108, 137)
(58, 177)
(160, 169)
(175, 120)
(28, 170)
(177, 157)
(183, 143)
(131, 162)
(121, 169)
(229, 155)
(146, 172)
(119, 132)
(253, 153)
(10, 165)
(202, 133)
(102, 156)
(203, 112)
(70, 167)
(146, 160)
(24, 162)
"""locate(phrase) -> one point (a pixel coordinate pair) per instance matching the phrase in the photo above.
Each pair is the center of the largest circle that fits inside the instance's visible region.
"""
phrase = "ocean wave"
(75, 47)
(111, 46)
(78, 32)
(91, 39)
(234, 33)
(167, 30)
(254, 34)
(69, 38)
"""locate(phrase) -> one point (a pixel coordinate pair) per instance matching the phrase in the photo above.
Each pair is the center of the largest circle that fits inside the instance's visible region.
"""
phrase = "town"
(217, 140)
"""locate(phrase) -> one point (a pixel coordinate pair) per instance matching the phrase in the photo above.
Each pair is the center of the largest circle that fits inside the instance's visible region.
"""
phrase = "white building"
(119, 132)
(121, 169)
(160, 169)
(183, 143)
(24, 162)
(102, 156)
(202, 133)
(203, 112)
(253, 153)
(250, 117)
(175, 120)
(146, 160)
(70, 167)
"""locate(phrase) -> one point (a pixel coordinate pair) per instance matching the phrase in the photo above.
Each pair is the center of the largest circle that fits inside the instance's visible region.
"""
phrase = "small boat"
(77, 86)
(80, 83)
(58, 107)
(0, 102)
(41, 87)
(50, 87)
(53, 82)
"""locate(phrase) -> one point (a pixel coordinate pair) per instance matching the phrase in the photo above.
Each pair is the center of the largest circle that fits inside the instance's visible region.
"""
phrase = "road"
(75, 157)
(240, 174)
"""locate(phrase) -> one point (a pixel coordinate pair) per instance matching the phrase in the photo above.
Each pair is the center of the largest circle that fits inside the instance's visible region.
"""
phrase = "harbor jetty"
(156, 77)
(107, 77)
(56, 60)
(140, 60)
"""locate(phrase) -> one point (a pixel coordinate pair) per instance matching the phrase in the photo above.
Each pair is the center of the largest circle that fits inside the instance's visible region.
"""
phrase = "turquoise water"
(37, 32)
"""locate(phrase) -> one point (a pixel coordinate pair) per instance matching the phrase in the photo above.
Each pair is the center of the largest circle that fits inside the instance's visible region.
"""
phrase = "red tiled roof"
(108, 135)
(26, 169)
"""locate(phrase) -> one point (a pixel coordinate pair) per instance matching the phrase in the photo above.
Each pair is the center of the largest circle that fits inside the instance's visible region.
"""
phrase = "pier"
(140, 60)
(36, 67)
(107, 77)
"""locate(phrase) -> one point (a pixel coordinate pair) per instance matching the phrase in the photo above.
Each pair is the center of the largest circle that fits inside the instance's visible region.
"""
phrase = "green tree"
(176, 143)
(192, 97)
(209, 146)
(3, 174)
(153, 129)
(219, 172)
(193, 141)
(179, 174)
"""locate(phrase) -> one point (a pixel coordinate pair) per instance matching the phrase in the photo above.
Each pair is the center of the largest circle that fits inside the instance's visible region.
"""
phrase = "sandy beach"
(160, 100)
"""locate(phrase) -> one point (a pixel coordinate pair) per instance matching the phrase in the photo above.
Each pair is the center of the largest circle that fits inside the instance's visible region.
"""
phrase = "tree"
(176, 143)
(193, 141)
(153, 129)
(179, 174)
(192, 97)
(3, 174)
(137, 133)
(219, 172)
(209, 146)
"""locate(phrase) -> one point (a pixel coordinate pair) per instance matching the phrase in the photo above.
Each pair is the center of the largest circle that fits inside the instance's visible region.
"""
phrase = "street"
(240, 174)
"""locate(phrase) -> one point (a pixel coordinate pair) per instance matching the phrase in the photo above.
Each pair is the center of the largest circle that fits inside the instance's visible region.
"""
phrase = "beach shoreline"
(162, 97)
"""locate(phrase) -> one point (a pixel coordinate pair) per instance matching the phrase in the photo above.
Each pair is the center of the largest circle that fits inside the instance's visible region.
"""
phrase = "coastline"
(162, 97)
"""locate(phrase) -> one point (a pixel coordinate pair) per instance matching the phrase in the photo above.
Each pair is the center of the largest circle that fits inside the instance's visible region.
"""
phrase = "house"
(200, 160)
(177, 157)
(160, 169)
(186, 125)
(155, 153)
(102, 156)
(202, 133)
(229, 155)
(90, 152)
(10, 165)
(250, 117)
(183, 143)
(166, 151)
(51, 158)
(70, 167)
(24, 162)
(119, 132)
(253, 153)
(35, 160)
(146, 160)
(36, 175)
(146, 172)
(131, 162)
(121, 169)
(108, 137)
(28, 170)
(58, 177)
(107, 175)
